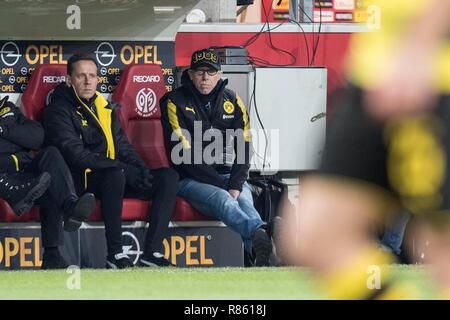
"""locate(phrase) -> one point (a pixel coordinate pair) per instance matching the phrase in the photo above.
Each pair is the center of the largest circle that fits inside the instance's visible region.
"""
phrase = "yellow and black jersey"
(371, 53)
(186, 121)
(87, 133)
(407, 157)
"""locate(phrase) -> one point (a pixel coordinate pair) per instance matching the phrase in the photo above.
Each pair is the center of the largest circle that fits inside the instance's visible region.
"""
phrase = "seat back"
(139, 89)
(43, 80)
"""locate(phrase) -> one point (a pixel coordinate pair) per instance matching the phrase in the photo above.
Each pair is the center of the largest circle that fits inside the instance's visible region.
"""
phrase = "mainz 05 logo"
(146, 102)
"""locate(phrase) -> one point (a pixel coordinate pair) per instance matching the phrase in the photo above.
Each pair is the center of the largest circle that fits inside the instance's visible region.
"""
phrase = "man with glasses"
(204, 122)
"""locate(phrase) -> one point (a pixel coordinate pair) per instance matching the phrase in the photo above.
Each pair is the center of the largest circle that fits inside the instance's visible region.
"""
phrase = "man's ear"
(190, 73)
(68, 81)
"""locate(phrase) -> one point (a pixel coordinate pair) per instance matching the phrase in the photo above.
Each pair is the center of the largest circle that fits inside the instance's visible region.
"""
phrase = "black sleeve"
(7, 164)
(125, 150)
(175, 126)
(22, 131)
(60, 132)
(242, 147)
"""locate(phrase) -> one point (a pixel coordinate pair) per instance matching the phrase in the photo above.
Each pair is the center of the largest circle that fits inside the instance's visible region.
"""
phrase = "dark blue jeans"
(240, 215)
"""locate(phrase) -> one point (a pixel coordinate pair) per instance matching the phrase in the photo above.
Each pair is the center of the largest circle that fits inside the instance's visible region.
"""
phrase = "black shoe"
(119, 261)
(249, 260)
(79, 212)
(22, 191)
(53, 260)
(262, 247)
(149, 260)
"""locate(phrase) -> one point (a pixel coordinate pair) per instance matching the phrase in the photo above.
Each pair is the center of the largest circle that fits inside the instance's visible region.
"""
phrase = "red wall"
(330, 51)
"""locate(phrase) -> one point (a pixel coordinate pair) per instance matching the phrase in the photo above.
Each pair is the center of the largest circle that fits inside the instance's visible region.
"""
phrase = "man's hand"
(234, 193)
(132, 175)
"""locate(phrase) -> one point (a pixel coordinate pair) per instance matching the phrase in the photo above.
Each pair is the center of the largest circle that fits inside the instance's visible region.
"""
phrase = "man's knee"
(115, 174)
(114, 177)
(223, 200)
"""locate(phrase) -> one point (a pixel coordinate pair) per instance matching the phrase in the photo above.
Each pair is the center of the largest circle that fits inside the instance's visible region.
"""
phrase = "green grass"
(214, 283)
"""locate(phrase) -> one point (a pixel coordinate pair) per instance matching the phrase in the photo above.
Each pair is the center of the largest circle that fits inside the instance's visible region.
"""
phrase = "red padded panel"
(44, 79)
(8, 215)
(139, 90)
(185, 212)
(147, 138)
(133, 210)
(136, 210)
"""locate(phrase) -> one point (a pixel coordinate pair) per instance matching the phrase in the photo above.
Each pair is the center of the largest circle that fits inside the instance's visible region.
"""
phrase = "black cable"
(311, 20)
(259, 119)
(254, 37)
(267, 13)
(260, 32)
(306, 14)
(318, 37)
(259, 62)
(305, 38)
(266, 140)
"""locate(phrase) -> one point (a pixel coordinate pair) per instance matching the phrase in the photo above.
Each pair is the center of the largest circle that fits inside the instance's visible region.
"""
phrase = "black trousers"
(110, 187)
(58, 196)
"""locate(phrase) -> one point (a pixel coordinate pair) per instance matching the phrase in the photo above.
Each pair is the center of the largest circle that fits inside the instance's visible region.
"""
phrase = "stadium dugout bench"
(193, 240)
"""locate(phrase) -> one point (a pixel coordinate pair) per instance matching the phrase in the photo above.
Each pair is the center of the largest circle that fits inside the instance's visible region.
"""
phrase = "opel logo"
(10, 54)
(105, 54)
(131, 246)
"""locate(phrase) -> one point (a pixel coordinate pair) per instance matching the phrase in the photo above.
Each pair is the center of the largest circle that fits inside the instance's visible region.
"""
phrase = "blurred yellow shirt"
(370, 53)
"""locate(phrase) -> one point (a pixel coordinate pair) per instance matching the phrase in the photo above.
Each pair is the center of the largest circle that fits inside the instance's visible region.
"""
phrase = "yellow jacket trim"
(173, 119)
(16, 161)
(245, 118)
(104, 120)
(86, 177)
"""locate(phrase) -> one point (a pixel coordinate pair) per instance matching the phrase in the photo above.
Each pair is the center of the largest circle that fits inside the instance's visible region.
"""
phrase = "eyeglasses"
(201, 72)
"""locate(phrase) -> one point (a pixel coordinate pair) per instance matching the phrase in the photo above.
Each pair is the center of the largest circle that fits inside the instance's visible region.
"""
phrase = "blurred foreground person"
(387, 148)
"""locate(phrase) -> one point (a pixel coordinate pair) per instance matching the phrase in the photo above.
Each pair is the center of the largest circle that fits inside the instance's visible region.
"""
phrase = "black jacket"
(182, 108)
(76, 131)
(18, 136)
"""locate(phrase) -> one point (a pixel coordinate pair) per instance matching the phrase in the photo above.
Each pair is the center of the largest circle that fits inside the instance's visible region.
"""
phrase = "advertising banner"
(21, 247)
(18, 59)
